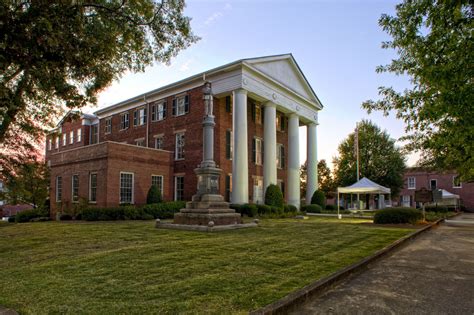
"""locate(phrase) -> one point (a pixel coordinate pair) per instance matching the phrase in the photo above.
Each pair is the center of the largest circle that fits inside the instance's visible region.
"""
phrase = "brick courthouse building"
(115, 155)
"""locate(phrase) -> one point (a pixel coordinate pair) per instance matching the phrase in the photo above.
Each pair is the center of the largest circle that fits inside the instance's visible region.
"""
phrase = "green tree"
(26, 182)
(59, 54)
(325, 179)
(434, 41)
(153, 195)
(380, 160)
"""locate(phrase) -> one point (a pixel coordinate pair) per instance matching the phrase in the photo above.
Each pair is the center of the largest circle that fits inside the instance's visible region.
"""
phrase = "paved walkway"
(434, 274)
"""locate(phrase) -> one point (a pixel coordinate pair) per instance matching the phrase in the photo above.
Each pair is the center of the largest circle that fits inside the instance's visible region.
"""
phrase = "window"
(56, 144)
(93, 187)
(178, 187)
(433, 184)
(256, 113)
(75, 188)
(179, 146)
(59, 188)
(180, 105)
(257, 145)
(411, 183)
(124, 121)
(50, 144)
(280, 122)
(94, 133)
(280, 156)
(79, 135)
(71, 137)
(228, 104)
(126, 187)
(108, 125)
(140, 142)
(157, 180)
(64, 139)
(229, 144)
(228, 188)
(159, 142)
(406, 200)
(139, 117)
(457, 182)
(158, 111)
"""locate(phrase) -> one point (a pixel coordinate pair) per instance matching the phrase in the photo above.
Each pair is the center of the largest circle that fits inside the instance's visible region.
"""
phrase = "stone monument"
(207, 210)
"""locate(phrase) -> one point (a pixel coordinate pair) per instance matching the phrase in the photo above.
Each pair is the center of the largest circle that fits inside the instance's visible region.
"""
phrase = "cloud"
(210, 20)
(185, 66)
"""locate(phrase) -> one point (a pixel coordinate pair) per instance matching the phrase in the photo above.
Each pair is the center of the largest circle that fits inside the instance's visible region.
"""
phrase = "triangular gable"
(285, 70)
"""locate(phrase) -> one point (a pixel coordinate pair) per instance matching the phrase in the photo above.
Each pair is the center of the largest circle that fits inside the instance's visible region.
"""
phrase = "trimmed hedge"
(290, 209)
(28, 215)
(274, 196)
(439, 208)
(331, 207)
(12, 219)
(318, 198)
(164, 210)
(153, 196)
(311, 208)
(264, 209)
(397, 216)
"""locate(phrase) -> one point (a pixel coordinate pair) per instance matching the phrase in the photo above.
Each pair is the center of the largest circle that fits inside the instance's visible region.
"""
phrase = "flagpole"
(357, 155)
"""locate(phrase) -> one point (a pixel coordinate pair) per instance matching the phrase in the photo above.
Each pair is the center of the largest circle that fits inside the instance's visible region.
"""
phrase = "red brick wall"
(68, 125)
(108, 159)
(444, 181)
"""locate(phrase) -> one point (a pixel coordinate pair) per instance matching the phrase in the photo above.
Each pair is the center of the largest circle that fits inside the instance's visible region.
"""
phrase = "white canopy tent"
(448, 199)
(363, 186)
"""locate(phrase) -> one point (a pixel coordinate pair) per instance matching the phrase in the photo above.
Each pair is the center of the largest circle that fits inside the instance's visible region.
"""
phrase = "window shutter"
(164, 109)
(227, 104)
(253, 111)
(227, 187)
(262, 110)
(186, 104)
(153, 112)
(227, 144)
(144, 115)
(263, 151)
(174, 107)
(135, 118)
(253, 150)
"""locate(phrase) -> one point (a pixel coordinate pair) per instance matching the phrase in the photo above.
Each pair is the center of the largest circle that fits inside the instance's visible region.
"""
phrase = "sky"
(337, 45)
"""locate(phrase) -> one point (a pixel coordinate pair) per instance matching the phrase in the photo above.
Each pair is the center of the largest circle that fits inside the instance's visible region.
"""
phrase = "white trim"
(162, 183)
(176, 146)
(436, 183)
(460, 182)
(175, 197)
(59, 199)
(72, 188)
(133, 187)
(90, 186)
(408, 182)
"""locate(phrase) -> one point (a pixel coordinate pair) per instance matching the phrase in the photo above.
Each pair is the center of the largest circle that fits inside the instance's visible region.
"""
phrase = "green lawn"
(132, 268)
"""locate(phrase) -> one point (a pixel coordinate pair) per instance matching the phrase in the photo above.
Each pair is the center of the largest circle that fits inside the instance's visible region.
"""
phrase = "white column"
(269, 146)
(312, 159)
(240, 168)
(293, 161)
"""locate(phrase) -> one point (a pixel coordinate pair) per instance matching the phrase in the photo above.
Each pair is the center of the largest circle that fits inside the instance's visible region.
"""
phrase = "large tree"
(26, 181)
(59, 54)
(435, 44)
(380, 160)
(325, 178)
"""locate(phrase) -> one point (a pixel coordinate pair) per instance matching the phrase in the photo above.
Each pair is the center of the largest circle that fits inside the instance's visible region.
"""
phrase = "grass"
(131, 267)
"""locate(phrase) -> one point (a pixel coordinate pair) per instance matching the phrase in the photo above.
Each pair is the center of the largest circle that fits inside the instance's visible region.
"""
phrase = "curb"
(285, 304)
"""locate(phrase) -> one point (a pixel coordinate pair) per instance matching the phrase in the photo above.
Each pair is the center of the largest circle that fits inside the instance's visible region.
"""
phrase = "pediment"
(285, 71)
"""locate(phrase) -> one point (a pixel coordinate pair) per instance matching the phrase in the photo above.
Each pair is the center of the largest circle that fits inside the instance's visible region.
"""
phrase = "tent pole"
(338, 215)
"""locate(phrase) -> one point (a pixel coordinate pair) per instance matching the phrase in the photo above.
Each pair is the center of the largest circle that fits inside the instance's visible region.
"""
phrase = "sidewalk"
(432, 275)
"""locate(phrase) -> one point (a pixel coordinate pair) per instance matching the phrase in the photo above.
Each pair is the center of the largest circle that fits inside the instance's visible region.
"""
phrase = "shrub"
(331, 207)
(11, 219)
(249, 210)
(164, 210)
(133, 213)
(103, 214)
(65, 217)
(277, 210)
(311, 208)
(436, 208)
(27, 215)
(290, 209)
(264, 209)
(40, 219)
(397, 215)
(318, 198)
(236, 207)
(154, 195)
(273, 196)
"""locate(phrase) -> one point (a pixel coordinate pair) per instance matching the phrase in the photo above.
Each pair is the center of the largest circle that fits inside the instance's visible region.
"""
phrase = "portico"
(278, 84)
